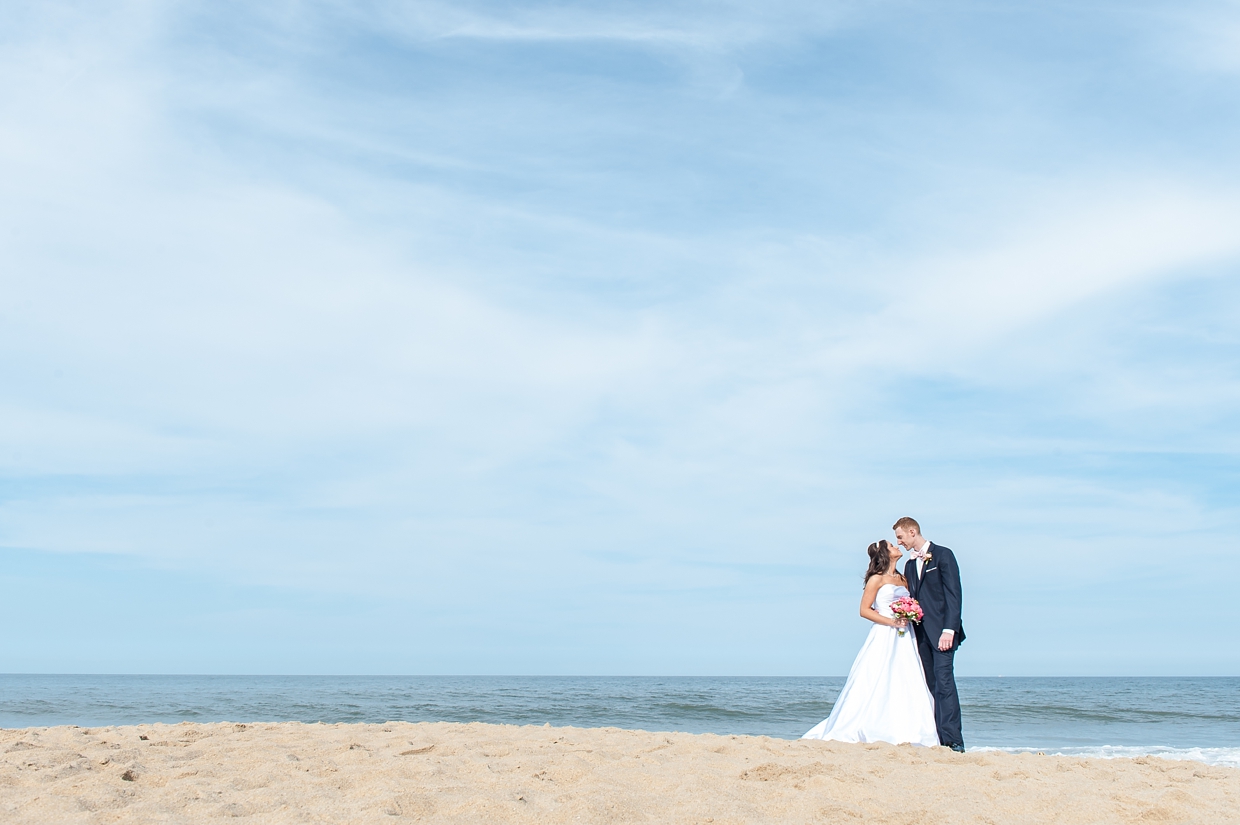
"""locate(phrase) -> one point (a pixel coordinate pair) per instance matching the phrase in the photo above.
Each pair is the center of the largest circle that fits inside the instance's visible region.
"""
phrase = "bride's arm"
(867, 604)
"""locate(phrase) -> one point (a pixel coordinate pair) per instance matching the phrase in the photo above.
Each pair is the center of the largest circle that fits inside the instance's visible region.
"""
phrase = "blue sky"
(550, 338)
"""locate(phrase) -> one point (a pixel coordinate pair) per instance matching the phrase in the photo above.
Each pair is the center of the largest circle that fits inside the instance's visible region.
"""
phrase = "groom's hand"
(945, 641)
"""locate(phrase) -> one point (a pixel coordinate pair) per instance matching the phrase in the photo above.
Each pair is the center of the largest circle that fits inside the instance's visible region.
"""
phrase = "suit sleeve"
(949, 575)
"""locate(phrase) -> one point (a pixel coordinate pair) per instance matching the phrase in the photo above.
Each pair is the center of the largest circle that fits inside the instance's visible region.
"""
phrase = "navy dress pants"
(941, 679)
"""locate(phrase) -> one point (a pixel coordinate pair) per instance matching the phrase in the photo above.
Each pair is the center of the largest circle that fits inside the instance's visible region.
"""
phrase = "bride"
(885, 698)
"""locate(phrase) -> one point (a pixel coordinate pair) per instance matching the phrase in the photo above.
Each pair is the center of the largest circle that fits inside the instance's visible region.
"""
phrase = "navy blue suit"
(937, 590)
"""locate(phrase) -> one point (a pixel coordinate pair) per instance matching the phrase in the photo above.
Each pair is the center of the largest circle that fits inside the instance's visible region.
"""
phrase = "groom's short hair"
(907, 523)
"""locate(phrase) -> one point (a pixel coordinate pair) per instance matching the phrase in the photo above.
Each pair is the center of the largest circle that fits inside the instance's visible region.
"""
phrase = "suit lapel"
(915, 579)
(929, 562)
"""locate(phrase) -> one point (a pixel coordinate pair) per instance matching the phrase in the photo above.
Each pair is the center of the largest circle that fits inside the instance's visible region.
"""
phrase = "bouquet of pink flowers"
(906, 607)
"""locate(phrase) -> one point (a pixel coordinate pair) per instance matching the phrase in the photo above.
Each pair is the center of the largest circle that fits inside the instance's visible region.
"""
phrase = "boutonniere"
(920, 555)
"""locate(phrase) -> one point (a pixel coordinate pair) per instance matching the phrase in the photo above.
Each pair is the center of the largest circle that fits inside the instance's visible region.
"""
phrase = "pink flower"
(906, 607)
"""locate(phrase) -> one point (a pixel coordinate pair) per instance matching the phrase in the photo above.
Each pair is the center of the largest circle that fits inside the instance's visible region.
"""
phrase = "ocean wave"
(1222, 757)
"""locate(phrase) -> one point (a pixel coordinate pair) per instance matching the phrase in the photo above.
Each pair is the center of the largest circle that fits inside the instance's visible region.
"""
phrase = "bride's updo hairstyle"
(880, 558)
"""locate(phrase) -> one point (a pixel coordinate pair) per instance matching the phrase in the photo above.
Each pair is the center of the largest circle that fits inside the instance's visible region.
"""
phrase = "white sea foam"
(1224, 757)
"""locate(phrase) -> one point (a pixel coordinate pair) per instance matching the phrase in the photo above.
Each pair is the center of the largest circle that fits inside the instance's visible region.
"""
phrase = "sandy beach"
(292, 772)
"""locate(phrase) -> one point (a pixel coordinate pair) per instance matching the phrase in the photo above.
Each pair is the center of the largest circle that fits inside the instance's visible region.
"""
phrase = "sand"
(291, 772)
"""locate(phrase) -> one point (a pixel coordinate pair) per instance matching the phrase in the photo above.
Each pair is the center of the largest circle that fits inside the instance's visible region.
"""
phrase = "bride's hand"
(901, 624)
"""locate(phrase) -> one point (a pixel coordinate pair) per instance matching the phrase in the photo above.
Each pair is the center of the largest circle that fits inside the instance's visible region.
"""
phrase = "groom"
(934, 580)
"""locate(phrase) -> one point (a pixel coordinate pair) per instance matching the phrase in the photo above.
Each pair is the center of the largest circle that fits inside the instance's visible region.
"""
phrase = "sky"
(557, 338)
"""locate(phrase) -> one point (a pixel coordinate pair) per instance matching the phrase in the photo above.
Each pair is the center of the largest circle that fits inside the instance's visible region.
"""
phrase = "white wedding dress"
(885, 698)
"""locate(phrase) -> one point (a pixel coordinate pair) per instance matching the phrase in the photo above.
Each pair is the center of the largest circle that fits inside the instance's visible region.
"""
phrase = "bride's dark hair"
(880, 558)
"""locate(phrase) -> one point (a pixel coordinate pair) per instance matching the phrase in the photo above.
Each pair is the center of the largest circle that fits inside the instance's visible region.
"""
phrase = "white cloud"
(239, 337)
(683, 25)
(1204, 36)
(1068, 249)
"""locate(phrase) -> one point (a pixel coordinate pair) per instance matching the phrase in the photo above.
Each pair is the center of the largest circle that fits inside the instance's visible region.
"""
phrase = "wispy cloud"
(1204, 36)
(1072, 247)
(677, 25)
(361, 301)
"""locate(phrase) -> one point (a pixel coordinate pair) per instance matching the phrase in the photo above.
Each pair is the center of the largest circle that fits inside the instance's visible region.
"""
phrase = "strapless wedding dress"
(885, 698)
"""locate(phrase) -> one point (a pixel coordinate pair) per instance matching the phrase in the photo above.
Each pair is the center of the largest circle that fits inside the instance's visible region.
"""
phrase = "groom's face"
(907, 538)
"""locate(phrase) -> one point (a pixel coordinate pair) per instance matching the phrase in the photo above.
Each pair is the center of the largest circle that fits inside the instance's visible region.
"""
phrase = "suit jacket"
(938, 592)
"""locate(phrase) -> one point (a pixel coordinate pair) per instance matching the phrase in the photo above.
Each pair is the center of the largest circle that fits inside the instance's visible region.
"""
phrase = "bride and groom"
(902, 686)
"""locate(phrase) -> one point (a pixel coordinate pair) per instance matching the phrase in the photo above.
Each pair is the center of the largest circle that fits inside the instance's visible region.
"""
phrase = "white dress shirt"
(925, 548)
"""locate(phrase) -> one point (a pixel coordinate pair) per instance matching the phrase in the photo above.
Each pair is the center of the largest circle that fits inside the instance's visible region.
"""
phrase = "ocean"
(1177, 718)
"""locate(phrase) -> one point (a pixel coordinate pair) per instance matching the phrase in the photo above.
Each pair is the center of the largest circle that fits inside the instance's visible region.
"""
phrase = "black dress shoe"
(957, 747)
